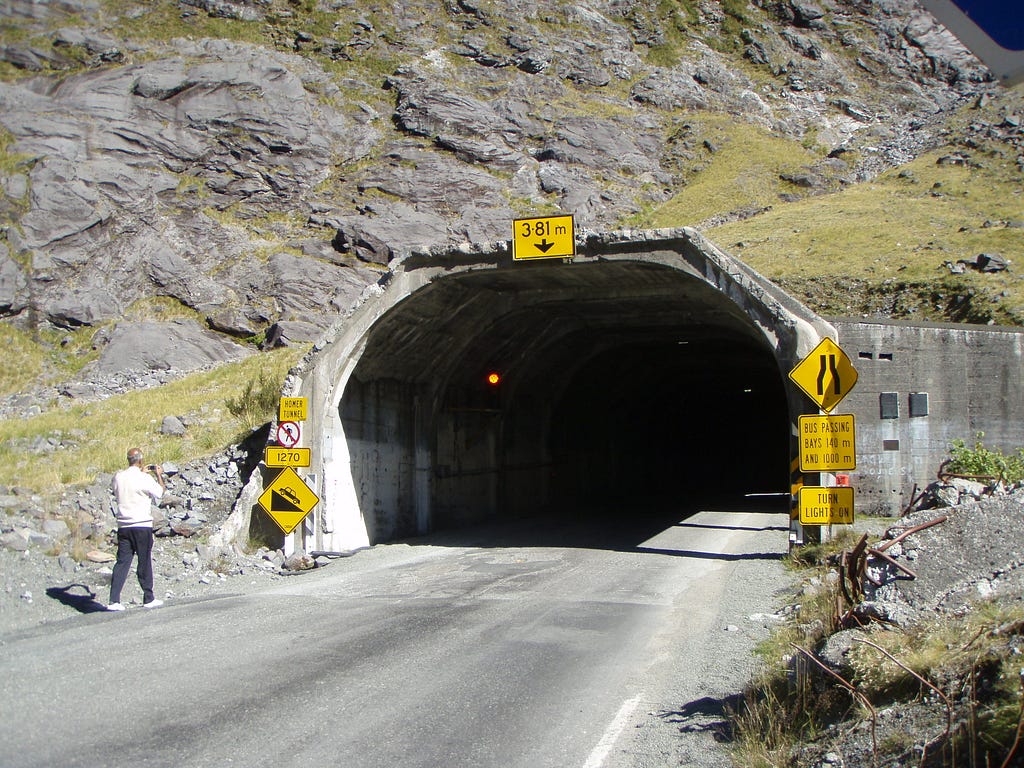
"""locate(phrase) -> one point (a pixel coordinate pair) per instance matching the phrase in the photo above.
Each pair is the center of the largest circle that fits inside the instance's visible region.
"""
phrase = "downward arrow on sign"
(543, 246)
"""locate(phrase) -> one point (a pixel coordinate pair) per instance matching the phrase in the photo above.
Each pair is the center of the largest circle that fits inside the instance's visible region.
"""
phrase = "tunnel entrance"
(646, 372)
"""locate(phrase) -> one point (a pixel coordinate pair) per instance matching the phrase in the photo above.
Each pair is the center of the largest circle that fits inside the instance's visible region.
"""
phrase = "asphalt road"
(582, 645)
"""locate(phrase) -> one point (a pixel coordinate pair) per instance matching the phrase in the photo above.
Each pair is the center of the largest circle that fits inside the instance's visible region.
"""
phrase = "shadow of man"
(709, 715)
(73, 598)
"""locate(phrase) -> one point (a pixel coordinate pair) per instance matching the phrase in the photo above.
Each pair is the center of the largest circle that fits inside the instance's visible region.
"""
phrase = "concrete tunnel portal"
(646, 372)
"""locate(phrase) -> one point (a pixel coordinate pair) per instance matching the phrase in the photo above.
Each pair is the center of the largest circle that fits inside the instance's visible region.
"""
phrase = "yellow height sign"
(828, 443)
(546, 237)
(826, 506)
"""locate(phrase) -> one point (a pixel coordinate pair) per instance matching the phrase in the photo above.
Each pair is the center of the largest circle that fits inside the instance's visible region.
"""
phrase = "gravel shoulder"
(682, 719)
(39, 589)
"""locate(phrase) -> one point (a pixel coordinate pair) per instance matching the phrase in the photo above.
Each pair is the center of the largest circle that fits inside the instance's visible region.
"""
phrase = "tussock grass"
(906, 223)
(48, 355)
(162, 20)
(893, 236)
(94, 436)
(161, 309)
(25, 360)
(741, 174)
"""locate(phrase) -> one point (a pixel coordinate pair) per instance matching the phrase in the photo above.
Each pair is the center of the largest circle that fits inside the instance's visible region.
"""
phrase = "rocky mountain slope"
(184, 182)
(256, 163)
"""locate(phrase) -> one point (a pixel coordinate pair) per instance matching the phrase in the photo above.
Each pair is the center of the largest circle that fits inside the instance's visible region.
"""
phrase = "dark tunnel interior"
(671, 424)
(650, 423)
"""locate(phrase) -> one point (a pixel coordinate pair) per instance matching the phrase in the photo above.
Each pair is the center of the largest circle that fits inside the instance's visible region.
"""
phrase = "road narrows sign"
(288, 499)
(544, 237)
(826, 375)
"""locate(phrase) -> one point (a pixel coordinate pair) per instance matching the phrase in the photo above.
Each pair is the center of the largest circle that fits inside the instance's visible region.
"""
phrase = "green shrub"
(257, 403)
(983, 461)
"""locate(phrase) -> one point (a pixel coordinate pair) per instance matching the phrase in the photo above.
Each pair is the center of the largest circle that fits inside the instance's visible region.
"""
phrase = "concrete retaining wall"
(919, 388)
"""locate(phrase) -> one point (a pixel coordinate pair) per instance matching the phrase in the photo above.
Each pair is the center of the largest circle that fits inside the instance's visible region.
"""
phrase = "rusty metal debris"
(853, 566)
(908, 531)
(943, 475)
(853, 692)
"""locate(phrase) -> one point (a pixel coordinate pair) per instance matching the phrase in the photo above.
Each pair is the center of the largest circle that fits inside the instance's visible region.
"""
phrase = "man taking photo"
(134, 489)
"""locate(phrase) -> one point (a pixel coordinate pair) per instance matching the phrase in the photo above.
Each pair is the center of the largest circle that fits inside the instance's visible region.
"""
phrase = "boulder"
(300, 561)
(17, 540)
(56, 529)
(179, 345)
(986, 262)
(834, 654)
(172, 425)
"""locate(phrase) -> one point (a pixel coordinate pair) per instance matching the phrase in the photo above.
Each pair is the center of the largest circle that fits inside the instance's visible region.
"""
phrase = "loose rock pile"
(963, 545)
(56, 555)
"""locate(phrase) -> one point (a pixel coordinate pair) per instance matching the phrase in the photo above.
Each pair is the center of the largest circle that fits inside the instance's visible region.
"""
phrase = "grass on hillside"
(49, 355)
(94, 436)
(896, 234)
(741, 173)
(902, 230)
(908, 221)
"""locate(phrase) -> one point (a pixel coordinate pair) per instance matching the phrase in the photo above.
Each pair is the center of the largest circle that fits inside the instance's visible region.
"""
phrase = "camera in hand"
(151, 467)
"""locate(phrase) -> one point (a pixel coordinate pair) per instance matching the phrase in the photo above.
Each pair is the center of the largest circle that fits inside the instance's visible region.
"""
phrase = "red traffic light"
(494, 378)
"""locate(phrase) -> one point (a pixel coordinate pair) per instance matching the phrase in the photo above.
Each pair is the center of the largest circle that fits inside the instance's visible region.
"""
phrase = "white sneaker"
(115, 607)
(153, 604)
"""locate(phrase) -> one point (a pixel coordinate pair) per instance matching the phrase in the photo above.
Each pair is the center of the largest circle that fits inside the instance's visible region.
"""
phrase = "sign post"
(827, 442)
(287, 499)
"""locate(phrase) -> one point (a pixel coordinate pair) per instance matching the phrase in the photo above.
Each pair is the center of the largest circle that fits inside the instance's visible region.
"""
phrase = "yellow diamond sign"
(288, 500)
(826, 375)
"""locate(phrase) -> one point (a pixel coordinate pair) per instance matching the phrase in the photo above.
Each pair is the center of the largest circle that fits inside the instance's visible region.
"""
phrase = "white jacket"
(134, 490)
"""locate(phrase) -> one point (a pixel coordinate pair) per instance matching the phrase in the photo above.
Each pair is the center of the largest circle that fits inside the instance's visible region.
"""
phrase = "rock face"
(266, 182)
(181, 346)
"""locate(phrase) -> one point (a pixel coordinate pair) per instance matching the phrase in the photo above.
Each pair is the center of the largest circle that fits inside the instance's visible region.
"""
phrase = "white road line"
(611, 733)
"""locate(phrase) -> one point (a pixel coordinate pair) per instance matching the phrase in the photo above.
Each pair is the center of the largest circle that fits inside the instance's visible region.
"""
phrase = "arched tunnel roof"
(498, 318)
(623, 285)
(396, 424)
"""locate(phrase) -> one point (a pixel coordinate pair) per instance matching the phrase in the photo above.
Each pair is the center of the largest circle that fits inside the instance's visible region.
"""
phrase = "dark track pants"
(133, 542)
